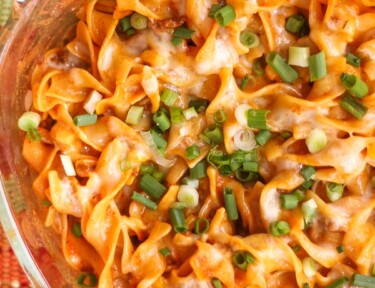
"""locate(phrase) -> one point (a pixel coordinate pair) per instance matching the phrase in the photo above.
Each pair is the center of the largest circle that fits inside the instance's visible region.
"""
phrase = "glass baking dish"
(34, 27)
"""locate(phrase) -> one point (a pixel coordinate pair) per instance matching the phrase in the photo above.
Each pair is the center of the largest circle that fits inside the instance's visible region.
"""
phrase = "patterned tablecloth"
(11, 273)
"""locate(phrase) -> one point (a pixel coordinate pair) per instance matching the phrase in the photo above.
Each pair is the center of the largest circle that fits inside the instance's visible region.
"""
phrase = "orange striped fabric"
(11, 273)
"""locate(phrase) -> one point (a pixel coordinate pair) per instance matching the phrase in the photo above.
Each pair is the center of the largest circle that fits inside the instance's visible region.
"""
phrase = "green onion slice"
(353, 60)
(87, 280)
(152, 186)
(286, 72)
(363, 281)
(183, 32)
(29, 120)
(192, 152)
(134, 115)
(125, 23)
(176, 115)
(262, 137)
(138, 197)
(188, 195)
(340, 249)
(353, 106)
(295, 23)
(85, 119)
(354, 85)
(299, 56)
(230, 203)
(214, 134)
(201, 226)
(161, 120)
(178, 220)
(190, 113)
(33, 135)
(159, 141)
(168, 97)
(165, 251)
(307, 172)
(309, 266)
(316, 140)
(288, 201)
(339, 283)
(176, 41)
(224, 15)
(138, 21)
(334, 191)
(220, 117)
(249, 39)
(76, 230)
(279, 228)
(198, 171)
(309, 211)
(317, 66)
(217, 283)
(242, 259)
(256, 118)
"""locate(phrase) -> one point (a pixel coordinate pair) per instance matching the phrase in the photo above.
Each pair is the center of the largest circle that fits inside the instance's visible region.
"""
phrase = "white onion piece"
(188, 195)
(91, 101)
(67, 163)
(158, 157)
(245, 140)
(241, 113)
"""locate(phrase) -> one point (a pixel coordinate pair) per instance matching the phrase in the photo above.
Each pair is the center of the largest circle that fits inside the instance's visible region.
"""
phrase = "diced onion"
(188, 195)
(91, 101)
(245, 140)
(316, 140)
(68, 166)
(241, 114)
(158, 157)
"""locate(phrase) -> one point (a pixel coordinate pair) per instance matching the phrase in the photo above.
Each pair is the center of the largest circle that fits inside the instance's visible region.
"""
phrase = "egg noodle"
(209, 156)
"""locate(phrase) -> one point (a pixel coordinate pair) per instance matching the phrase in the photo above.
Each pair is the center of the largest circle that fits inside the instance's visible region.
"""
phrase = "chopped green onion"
(178, 220)
(125, 23)
(353, 60)
(364, 281)
(146, 169)
(251, 156)
(176, 115)
(307, 172)
(317, 66)
(177, 41)
(125, 165)
(183, 32)
(76, 230)
(249, 39)
(334, 191)
(179, 205)
(188, 195)
(262, 137)
(242, 259)
(316, 140)
(165, 251)
(152, 186)
(134, 115)
(300, 194)
(217, 283)
(214, 134)
(354, 85)
(244, 140)
(279, 228)
(191, 182)
(305, 285)
(286, 72)
(198, 171)
(190, 113)
(213, 10)
(307, 184)
(250, 166)
(158, 175)
(168, 97)
(200, 105)
(288, 201)
(286, 134)
(296, 248)
(159, 141)
(192, 152)
(309, 211)
(220, 117)
(161, 120)
(33, 135)
(340, 249)
(258, 67)
(240, 113)
(245, 176)
(225, 170)
(299, 56)
(339, 283)
(217, 158)
(130, 32)
(85, 119)
(256, 118)
(309, 266)
(295, 24)
(29, 120)
(201, 226)
(244, 82)
(236, 160)
(224, 15)
(87, 280)
(46, 203)
(138, 197)
(353, 106)
(138, 21)
(230, 203)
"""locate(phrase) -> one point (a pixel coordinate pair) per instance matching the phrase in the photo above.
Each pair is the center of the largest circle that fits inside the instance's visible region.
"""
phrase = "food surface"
(210, 144)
